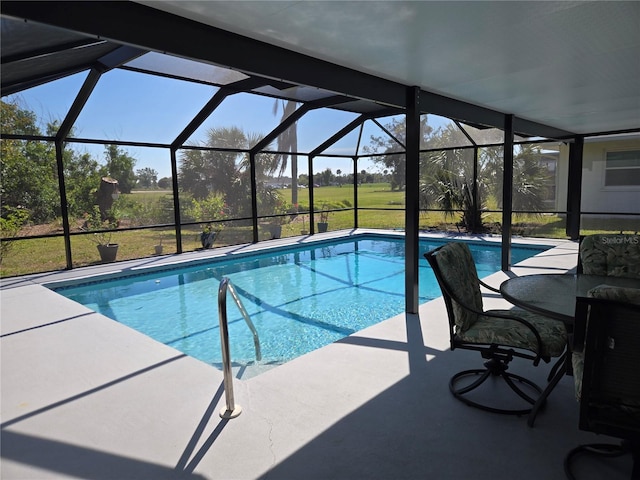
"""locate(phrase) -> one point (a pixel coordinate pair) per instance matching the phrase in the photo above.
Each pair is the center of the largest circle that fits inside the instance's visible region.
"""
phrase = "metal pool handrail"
(231, 410)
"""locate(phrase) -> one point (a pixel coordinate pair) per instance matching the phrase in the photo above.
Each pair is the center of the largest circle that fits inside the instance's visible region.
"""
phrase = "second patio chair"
(499, 335)
(605, 359)
(614, 255)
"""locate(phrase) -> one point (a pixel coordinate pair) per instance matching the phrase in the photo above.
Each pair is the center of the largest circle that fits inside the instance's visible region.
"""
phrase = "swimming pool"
(299, 298)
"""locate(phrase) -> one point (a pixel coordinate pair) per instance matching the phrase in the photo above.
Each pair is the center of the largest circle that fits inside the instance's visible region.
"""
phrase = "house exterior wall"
(596, 196)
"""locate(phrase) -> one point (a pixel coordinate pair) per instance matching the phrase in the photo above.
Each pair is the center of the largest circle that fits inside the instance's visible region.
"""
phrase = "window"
(622, 168)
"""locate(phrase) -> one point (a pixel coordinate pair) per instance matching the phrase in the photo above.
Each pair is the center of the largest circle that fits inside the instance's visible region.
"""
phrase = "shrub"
(10, 226)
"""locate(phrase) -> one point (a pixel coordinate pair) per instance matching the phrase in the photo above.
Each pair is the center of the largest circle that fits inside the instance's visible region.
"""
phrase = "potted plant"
(283, 213)
(208, 236)
(323, 222)
(102, 237)
(275, 229)
(158, 247)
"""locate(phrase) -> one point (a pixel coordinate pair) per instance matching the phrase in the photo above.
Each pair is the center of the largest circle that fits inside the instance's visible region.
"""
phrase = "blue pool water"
(299, 299)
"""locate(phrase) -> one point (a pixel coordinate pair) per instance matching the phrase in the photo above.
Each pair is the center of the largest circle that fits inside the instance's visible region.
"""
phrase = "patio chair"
(605, 359)
(615, 255)
(499, 335)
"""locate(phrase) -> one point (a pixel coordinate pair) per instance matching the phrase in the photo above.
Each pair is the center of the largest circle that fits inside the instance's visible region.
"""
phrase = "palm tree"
(202, 172)
(288, 142)
(266, 163)
(447, 181)
(529, 179)
(447, 178)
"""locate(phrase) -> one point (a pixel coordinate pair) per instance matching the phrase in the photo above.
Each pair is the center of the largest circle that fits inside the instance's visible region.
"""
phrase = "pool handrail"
(231, 410)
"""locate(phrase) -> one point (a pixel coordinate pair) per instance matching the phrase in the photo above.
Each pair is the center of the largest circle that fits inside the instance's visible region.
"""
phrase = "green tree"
(147, 177)
(393, 146)
(266, 163)
(447, 175)
(446, 181)
(164, 183)
(119, 165)
(529, 179)
(226, 173)
(205, 210)
(10, 226)
(326, 177)
(303, 180)
(202, 172)
(82, 177)
(28, 173)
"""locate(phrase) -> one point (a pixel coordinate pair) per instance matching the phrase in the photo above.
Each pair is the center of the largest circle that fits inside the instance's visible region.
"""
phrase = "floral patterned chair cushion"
(507, 332)
(608, 292)
(612, 255)
(459, 272)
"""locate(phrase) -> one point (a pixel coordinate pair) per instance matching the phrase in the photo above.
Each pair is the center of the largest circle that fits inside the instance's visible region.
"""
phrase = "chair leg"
(560, 363)
(494, 368)
(603, 450)
(560, 371)
(484, 374)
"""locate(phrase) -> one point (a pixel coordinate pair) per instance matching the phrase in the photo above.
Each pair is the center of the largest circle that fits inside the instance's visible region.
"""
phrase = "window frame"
(606, 169)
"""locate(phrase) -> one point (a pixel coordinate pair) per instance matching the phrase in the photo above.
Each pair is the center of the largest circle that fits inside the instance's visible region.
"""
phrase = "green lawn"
(379, 207)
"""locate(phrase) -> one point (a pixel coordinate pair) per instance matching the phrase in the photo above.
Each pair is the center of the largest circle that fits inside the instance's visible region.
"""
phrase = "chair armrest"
(522, 321)
(489, 287)
(515, 318)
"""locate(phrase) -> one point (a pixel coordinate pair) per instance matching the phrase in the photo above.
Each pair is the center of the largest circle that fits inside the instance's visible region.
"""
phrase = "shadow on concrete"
(415, 429)
(82, 462)
(186, 466)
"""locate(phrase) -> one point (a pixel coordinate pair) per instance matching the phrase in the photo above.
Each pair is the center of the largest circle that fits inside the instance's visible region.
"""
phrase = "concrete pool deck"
(86, 397)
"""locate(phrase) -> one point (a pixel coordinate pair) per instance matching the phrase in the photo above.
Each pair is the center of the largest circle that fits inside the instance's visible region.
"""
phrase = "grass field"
(379, 207)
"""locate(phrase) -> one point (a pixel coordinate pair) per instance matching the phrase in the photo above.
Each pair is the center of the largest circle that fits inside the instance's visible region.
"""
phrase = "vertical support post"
(355, 191)
(254, 195)
(574, 188)
(176, 199)
(311, 191)
(474, 192)
(412, 190)
(64, 206)
(79, 102)
(507, 192)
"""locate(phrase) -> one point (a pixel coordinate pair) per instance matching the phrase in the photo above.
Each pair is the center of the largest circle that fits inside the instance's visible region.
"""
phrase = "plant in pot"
(323, 222)
(283, 214)
(294, 212)
(158, 247)
(102, 230)
(208, 236)
(275, 229)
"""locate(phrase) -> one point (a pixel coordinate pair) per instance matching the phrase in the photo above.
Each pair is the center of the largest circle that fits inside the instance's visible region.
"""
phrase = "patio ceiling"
(560, 67)
(570, 65)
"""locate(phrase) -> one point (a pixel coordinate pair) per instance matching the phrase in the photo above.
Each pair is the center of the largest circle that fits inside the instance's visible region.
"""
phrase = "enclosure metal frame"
(145, 30)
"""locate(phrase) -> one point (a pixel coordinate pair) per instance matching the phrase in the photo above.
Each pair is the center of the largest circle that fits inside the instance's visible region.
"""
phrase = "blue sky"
(130, 106)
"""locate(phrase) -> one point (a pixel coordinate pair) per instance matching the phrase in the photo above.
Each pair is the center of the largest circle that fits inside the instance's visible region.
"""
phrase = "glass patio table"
(554, 295)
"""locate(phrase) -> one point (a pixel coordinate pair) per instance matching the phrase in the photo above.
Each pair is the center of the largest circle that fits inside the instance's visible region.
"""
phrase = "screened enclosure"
(105, 143)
